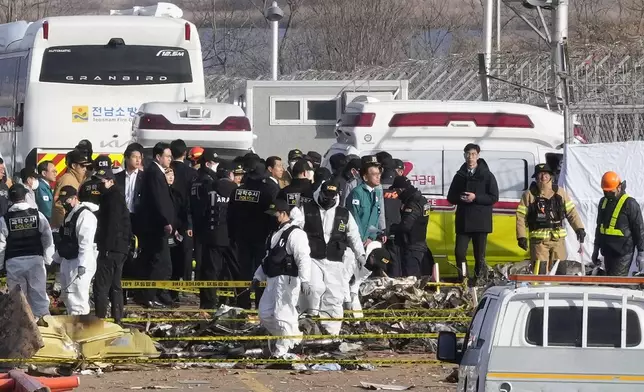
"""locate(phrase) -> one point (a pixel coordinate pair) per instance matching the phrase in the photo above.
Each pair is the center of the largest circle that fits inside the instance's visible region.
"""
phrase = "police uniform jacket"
(300, 190)
(412, 229)
(46, 238)
(247, 220)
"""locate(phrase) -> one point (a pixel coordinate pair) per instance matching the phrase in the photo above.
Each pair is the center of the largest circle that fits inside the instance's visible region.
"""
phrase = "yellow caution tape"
(454, 311)
(373, 361)
(200, 284)
(204, 284)
(307, 337)
(348, 319)
(225, 293)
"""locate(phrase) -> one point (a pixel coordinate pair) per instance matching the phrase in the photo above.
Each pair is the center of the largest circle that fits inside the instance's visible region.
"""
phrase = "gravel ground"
(422, 377)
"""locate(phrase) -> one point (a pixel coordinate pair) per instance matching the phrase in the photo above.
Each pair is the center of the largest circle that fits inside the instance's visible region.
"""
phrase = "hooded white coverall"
(277, 312)
(328, 278)
(29, 272)
(75, 289)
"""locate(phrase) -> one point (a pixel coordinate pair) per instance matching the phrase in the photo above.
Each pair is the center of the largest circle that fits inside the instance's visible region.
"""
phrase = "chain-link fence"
(602, 123)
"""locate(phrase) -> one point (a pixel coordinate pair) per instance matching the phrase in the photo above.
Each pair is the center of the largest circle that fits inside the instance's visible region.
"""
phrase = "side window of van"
(565, 327)
(425, 170)
(511, 170)
(477, 322)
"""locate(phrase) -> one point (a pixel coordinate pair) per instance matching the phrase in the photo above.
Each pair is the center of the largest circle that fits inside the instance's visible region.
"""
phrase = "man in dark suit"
(184, 175)
(155, 218)
(130, 182)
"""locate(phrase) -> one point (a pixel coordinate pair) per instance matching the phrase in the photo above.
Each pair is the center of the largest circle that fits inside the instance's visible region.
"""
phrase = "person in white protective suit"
(331, 230)
(286, 270)
(76, 253)
(26, 245)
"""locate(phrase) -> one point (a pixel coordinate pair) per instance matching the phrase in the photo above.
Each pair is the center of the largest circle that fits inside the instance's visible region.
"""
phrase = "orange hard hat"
(195, 153)
(610, 181)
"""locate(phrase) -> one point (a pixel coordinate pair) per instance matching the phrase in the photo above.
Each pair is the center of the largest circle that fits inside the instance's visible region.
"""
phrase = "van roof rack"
(161, 9)
(575, 279)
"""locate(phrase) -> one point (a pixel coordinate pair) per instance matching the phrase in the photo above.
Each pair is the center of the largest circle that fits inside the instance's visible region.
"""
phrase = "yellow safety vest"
(611, 230)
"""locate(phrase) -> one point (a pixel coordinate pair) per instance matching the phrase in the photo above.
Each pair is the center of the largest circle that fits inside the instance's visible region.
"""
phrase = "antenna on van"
(185, 95)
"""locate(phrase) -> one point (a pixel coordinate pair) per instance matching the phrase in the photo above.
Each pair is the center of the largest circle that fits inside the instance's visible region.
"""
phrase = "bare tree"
(14, 10)
(344, 35)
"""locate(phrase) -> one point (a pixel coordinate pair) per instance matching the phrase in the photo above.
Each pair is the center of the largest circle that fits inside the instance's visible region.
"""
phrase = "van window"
(511, 173)
(477, 322)
(565, 323)
(425, 169)
(321, 110)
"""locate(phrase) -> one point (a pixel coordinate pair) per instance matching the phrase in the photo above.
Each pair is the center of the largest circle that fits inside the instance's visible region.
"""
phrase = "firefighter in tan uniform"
(541, 214)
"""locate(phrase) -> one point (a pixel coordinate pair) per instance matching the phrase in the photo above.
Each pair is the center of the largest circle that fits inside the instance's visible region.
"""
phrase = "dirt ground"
(422, 377)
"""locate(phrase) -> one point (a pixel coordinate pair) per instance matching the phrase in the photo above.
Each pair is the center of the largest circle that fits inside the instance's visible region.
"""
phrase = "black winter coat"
(474, 217)
(113, 223)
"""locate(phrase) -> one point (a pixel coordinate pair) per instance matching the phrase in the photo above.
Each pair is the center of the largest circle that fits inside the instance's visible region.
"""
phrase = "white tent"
(581, 175)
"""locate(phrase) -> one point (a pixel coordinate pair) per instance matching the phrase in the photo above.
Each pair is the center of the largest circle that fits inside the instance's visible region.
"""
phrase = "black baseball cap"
(399, 164)
(301, 166)
(256, 169)
(330, 189)
(104, 173)
(209, 155)
(102, 162)
(401, 182)
(338, 161)
(378, 260)
(314, 157)
(17, 193)
(67, 192)
(295, 154)
(279, 205)
(382, 156)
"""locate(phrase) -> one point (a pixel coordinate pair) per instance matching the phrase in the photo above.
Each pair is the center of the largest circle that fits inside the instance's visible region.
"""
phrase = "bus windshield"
(115, 65)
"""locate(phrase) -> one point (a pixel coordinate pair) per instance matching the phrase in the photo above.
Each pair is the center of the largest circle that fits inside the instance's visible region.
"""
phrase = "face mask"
(609, 195)
(68, 207)
(34, 186)
(101, 187)
(325, 202)
(310, 174)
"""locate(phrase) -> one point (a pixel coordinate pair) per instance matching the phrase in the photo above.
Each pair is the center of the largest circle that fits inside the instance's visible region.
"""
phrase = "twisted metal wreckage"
(400, 315)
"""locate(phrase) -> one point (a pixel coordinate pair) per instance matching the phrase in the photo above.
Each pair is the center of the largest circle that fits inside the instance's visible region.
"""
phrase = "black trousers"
(618, 266)
(157, 261)
(107, 284)
(394, 268)
(215, 265)
(181, 256)
(416, 261)
(250, 256)
(479, 245)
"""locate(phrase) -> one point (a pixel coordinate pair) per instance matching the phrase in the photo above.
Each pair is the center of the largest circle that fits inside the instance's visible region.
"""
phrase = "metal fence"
(607, 86)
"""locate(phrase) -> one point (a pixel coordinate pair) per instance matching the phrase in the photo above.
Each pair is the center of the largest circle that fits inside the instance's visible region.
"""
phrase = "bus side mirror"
(447, 350)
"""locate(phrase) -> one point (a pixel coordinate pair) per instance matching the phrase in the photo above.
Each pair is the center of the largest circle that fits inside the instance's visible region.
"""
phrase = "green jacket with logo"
(364, 205)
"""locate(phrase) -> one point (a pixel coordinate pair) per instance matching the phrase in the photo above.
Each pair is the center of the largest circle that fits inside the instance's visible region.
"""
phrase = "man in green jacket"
(44, 195)
(364, 200)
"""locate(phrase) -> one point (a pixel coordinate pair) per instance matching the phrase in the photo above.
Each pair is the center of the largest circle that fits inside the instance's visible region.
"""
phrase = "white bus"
(68, 78)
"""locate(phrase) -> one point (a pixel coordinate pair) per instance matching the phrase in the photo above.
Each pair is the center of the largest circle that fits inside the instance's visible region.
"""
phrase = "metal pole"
(487, 32)
(275, 46)
(498, 25)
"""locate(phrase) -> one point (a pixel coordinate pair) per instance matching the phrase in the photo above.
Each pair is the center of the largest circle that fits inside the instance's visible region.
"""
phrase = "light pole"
(274, 14)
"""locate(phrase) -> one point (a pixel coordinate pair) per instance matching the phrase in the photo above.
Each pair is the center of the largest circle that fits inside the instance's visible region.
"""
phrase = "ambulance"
(429, 136)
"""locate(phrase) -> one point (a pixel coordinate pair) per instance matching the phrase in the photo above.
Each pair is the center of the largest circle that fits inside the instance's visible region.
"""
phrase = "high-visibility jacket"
(620, 227)
(555, 230)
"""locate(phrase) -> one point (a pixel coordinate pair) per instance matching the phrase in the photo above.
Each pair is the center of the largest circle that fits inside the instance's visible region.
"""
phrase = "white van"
(552, 338)
(429, 136)
(221, 126)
